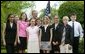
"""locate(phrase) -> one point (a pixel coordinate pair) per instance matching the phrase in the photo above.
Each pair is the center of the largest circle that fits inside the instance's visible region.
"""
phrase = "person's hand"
(49, 43)
(54, 43)
(81, 38)
(18, 41)
(4, 43)
(15, 43)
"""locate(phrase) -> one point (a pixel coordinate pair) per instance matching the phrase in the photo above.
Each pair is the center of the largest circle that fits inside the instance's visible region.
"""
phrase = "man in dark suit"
(57, 34)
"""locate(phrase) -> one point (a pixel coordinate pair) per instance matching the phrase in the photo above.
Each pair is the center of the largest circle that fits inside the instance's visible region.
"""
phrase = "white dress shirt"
(78, 31)
(45, 26)
(56, 25)
(11, 24)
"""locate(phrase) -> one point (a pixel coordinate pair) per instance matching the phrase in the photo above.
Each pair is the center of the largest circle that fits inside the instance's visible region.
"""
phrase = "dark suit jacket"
(10, 33)
(68, 36)
(45, 35)
(57, 33)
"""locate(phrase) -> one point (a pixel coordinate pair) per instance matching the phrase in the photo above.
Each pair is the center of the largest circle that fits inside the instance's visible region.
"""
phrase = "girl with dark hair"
(9, 34)
(21, 32)
(38, 22)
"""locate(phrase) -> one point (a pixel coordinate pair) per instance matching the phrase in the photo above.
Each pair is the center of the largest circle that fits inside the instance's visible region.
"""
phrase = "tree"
(77, 7)
(14, 7)
(72, 6)
(81, 46)
(42, 13)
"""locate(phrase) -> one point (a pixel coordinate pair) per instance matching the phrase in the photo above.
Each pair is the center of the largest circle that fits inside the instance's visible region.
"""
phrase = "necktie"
(73, 28)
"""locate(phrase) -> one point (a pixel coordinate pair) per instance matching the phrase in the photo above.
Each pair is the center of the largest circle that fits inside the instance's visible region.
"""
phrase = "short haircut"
(34, 11)
(66, 17)
(56, 16)
(72, 14)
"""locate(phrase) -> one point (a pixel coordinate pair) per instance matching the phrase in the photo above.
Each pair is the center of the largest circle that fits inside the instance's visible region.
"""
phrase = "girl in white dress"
(33, 38)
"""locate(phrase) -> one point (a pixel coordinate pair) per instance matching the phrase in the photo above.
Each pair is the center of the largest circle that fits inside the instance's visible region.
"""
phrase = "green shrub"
(81, 46)
(70, 7)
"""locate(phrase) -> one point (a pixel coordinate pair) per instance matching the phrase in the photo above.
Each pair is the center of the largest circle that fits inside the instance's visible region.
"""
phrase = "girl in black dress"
(9, 34)
(45, 36)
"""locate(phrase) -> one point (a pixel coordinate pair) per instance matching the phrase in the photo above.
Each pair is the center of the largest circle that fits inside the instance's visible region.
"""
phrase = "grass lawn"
(3, 50)
(81, 47)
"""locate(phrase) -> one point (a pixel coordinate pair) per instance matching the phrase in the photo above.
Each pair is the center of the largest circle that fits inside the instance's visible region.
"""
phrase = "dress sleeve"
(37, 28)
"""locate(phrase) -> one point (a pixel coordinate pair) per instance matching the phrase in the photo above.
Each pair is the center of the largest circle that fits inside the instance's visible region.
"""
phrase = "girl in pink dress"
(21, 32)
